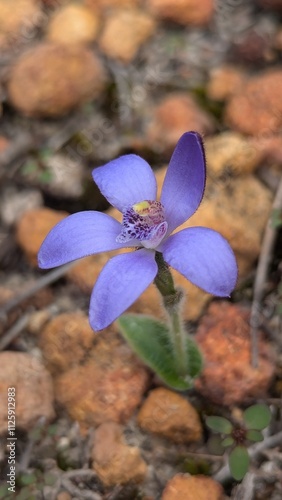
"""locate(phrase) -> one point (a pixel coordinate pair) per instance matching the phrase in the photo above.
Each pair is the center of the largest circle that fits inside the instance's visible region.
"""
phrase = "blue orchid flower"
(200, 254)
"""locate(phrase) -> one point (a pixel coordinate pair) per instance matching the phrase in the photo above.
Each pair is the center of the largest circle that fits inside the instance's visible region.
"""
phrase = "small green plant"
(32, 482)
(36, 169)
(29, 484)
(238, 436)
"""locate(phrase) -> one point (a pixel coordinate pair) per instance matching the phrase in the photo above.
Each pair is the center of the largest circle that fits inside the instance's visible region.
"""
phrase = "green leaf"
(254, 435)
(219, 424)
(229, 441)
(239, 462)
(257, 417)
(150, 339)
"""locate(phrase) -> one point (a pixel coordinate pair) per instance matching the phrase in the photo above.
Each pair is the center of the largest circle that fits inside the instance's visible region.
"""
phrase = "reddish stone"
(66, 341)
(256, 109)
(184, 487)
(124, 33)
(174, 115)
(33, 227)
(224, 81)
(110, 4)
(269, 147)
(109, 385)
(114, 461)
(73, 24)
(183, 11)
(39, 83)
(19, 18)
(170, 415)
(224, 338)
(33, 390)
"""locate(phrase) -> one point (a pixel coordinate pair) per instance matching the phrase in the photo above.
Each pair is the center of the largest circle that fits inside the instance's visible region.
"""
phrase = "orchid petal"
(79, 235)
(125, 181)
(184, 182)
(204, 257)
(119, 284)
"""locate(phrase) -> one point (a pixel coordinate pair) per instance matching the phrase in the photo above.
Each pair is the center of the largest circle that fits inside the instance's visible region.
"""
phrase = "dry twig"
(245, 490)
(20, 146)
(263, 265)
(14, 331)
(45, 280)
(76, 492)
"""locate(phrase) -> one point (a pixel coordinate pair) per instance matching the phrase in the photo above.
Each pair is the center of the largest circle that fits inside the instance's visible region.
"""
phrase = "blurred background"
(82, 82)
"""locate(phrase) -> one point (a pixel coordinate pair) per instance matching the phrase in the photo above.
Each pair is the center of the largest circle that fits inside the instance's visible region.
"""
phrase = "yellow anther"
(142, 208)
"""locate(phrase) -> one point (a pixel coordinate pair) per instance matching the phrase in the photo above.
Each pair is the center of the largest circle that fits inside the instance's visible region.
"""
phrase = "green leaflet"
(151, 340)
(254, 435)
(239, 462)
(229, 441)
(219, 424)
(257, 417)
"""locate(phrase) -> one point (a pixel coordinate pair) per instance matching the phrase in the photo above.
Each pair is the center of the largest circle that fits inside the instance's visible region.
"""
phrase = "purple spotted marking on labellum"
(143, 221)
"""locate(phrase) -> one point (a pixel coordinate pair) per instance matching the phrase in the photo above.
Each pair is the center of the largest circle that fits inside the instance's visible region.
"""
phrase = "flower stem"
(172, 298)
